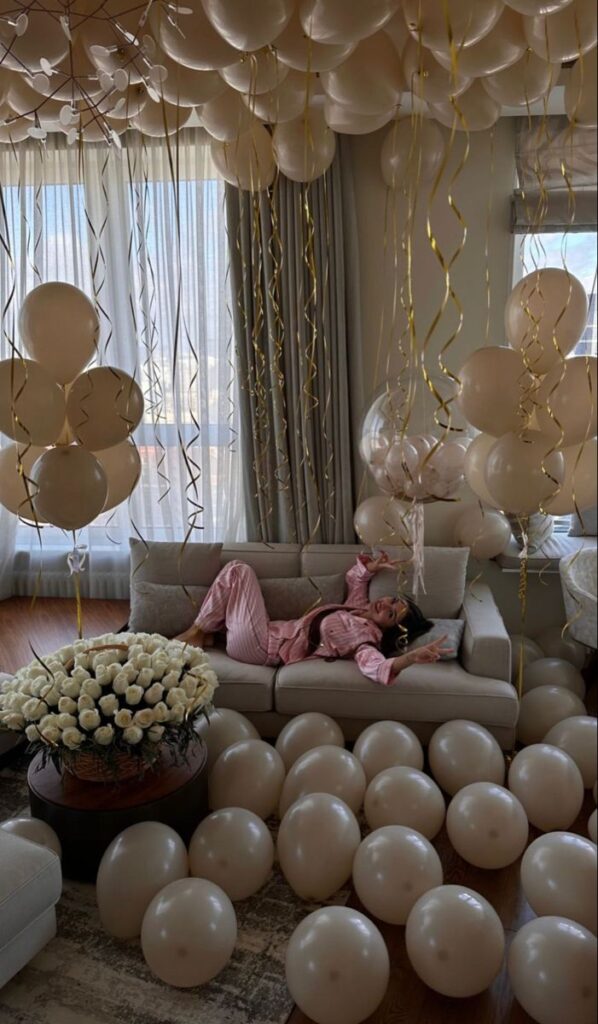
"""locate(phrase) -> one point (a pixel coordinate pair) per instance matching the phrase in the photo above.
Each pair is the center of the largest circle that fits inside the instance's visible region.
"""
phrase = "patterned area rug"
(83, 976)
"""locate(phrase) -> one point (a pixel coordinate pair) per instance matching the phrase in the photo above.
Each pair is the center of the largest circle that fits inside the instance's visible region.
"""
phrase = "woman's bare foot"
(195, 637)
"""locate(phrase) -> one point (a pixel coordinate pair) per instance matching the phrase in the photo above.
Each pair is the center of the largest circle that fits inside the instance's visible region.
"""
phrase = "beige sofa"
(168, 584)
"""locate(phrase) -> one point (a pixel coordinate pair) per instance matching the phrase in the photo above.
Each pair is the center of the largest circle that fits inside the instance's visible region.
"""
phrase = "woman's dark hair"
(415, 624)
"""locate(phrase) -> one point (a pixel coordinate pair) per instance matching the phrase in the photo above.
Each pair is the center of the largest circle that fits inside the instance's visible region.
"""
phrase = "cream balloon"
(137, 864)
(428, 19)
(555, 645)
(549, 785)
(427, 78)
(531, 8)
(545, 316)
(565, 34)
(73, 78)
(531, 652)
(498, 49)
(558, 876)
(396, 29)
(393, 867)
(337, 966)
(298, 51)
(122, 466)
(493, 386)
(579, 484)
(256, 73)
(554, 672)
(380, 521)
(304, 148)
(325, 769)
(543, 707)
(523, 83)
(370, 80)
(157, 120)
(227, 116)
(593, 826)
(405, 796)
(522, 472)
(104, 406)
(567, 402)
(474, 466)
(35, 830)
(247, 162)
(471, 111)
(14, 130)
(461, 752)
(248, 26)
(317, 841)
(234, 849)
(32, 405)
(484, 532)
(455, 941)
(285, 103)
(43, 40)
(487, 825)
(23, 98)
(189, 932)
(552, 970)
(224, 728)
(341, 22)
(577, 736)
(306, 731)
(344, 120)
(247, 759)
(70, 487)
(386, 745)
(59, 327)
(190, 39)
(16, 462)
(186, 87)
(410, 144)
(580, 91)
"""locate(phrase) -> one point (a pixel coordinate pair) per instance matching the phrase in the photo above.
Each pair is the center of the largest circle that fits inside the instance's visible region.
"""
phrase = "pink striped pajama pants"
(235, 602)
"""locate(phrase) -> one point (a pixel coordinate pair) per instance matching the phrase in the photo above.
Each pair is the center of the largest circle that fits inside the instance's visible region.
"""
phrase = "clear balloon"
(484, 532)
(35, 830)
(493, 389)
(580, 91)
(393, 867)
(567, 402)
(380, 521)
(554, 672)
(522, 472)
(317, 841)
(16, 462)
(342, 22)
(555, 645)
(430, 20)
(248, 162)
(189, 932)
(523, 83)
(122, 466)
(487, 825)
(549, 785)
(455, 941)
(247, 759)
(304, 148)
(370, 80)
(296, 49)
(577, 736)
(70, 487)
(565, 34)
(325, 769)
(552, 969)
(474, 467)
(579, 484)
(234, 849)
(386, 745)
(543, 707)
(558, 876)
(306, 731)
(461, 752)
(545, 317)
(32, 406)
(411, 144)
(224, 728)
(405, 796)
(501, 47)
(472, 111)
(248, 26)
(337, 966)
(59, 327)
(137, 864)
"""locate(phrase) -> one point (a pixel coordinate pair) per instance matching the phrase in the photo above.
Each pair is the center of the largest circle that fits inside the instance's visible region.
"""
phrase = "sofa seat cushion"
(424, 693)
(30, 883)
(242, 687)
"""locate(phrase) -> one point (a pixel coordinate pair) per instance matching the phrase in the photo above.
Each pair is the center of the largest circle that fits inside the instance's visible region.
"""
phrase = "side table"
(88, 815)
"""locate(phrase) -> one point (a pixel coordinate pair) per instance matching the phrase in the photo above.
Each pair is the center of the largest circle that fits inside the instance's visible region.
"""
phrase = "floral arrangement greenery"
(121, 693)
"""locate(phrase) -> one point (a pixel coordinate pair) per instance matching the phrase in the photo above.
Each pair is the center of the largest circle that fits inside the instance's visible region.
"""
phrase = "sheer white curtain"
(141, 230)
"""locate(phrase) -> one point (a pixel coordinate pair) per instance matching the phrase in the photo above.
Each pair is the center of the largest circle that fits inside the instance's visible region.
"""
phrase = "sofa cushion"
(30, 883)
(291, 598)
(242, 687)
(426, 693)
(170, 562)
(163, 608)
(444, 580)
(267, 560)
(585, 524)
(452, 629)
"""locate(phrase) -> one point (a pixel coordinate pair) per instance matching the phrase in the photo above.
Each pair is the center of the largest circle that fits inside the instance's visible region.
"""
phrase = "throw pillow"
(585, 525)
(444, 577)
(451, 628)
(292, 598)
(163, 608)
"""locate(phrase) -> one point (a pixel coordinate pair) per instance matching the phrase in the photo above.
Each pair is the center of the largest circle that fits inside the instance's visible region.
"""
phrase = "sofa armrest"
(486, 647)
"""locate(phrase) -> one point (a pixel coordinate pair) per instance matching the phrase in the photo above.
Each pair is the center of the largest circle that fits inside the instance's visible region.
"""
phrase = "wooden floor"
(52, 623)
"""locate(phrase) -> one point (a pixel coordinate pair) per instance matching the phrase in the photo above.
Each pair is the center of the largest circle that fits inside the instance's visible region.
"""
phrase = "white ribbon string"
(416, 525)
(76, 559)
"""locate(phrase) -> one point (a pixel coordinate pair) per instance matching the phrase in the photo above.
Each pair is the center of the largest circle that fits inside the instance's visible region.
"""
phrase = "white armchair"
(578, 580)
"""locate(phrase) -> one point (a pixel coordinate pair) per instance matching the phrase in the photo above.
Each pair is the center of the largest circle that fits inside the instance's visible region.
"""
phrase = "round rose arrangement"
(120, 693)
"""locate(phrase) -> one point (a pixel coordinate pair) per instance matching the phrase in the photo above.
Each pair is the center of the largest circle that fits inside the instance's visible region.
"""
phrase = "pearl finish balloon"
(523, 83)
(370, 80)
(593, 826)
(427, 78)
(484, 532)
(501, 47)
(186, 87)
(189, 932)
(380, 521)
(44, 38)
(325, 770)
(337, 966)
(158, 120)
(494, 381)
(468, 24)
(580, 91)
(298, 51)
(285, 103)
(256, 73)
(473, 111)
(554, 672)
(552, 969)
(522, 472)
(32, 407)
(455, 941)
(15, 493)
(70, 487)
(248, 162)
(190, 39)
(461, 752)
(234, 849)
(122, 466)
(545, 305)
(387, 744)
(549, 785)
(543, 707)
(35, 830)
(138, 863)
(578, 737)
(558, 876)
(248, 26)
(531, 8)
(474, 467)
(407, 144)
(487, 825)
(567, 405)
(59, 327)
(565, 34)
(227, 116)
(317, 841)
(335, 22)
(304, 148)
(104, 406)
(579, 484)
(254, 760)
(224, 728)
(393, 867)
(345, 121)
(306, 731)
(405, 796)
(531, 653)
(555, 645)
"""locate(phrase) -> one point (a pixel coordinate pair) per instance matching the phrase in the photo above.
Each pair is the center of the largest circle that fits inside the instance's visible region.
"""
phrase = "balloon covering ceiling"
(272, 81)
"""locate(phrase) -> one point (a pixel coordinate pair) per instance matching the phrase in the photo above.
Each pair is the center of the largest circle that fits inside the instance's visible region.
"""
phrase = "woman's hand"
(431, 652)
(382, 561)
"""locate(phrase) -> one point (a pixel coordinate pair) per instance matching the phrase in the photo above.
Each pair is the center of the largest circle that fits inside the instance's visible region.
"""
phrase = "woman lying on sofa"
(370, 632)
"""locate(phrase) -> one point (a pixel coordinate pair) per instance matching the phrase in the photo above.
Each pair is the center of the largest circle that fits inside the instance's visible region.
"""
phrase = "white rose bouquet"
(121, 693)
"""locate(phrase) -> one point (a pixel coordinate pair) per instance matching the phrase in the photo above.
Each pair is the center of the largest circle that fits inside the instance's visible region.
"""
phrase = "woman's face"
(388, 611)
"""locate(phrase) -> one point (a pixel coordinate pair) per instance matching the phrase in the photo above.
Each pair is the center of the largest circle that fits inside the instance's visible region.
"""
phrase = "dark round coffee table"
(88, 815)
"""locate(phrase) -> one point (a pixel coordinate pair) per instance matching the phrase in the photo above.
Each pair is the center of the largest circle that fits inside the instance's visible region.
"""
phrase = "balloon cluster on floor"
(308, 68)
(72, 456)
(181, 902)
